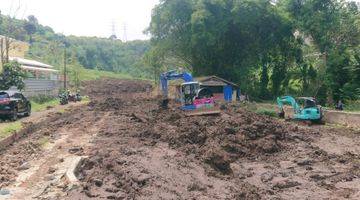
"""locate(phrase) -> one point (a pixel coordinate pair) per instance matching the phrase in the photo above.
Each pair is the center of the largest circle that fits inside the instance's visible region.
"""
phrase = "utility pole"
(65, 68)
(125, 32)
(113, 31)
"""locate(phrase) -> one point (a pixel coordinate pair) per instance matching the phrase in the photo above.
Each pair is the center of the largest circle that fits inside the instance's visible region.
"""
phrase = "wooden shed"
(223, 89)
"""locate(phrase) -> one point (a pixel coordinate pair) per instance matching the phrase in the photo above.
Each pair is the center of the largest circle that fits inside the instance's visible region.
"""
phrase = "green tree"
(30, 27)
(264, 81)
(12, 75)
(333, 26)
(278, 76)
(229, 38)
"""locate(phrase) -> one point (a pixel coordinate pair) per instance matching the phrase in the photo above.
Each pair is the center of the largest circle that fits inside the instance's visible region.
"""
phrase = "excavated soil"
(140, 151)
(144, 152)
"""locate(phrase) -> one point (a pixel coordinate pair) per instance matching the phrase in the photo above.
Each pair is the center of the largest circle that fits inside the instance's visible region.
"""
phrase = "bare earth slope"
(135, 150)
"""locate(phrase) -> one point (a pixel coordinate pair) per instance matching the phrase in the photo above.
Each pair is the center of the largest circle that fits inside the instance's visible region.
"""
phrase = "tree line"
(271, 48)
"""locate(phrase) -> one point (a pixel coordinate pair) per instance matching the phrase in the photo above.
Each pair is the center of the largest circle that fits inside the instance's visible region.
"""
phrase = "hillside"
(87, 52)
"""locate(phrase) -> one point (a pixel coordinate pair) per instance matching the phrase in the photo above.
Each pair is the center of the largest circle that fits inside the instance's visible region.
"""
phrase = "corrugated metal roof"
(33, 63)
(207, 81)
(215, 81)
(39, 69)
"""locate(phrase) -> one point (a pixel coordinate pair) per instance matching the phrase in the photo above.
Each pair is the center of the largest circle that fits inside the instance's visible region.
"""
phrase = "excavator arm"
(287, 100)
(171, 75)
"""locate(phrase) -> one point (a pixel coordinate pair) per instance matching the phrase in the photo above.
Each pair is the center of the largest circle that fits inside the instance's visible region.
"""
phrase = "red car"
(14, 104)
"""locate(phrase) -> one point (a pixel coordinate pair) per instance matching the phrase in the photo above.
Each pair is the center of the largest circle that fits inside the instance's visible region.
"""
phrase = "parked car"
(14, 104)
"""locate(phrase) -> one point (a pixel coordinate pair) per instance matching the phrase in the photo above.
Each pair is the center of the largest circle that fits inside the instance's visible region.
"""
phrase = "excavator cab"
(195, 101)
(189, 92)
(307, 102)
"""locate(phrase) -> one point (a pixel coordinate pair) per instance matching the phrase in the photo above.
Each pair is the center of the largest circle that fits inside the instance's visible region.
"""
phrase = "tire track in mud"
(34, 167)
(29, 147)
(47, 176)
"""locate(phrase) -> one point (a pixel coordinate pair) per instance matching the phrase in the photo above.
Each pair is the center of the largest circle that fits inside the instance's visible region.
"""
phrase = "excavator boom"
(288, 100)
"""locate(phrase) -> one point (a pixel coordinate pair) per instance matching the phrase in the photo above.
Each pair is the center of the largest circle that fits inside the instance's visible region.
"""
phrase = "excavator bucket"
(201, 107)
(203, 111)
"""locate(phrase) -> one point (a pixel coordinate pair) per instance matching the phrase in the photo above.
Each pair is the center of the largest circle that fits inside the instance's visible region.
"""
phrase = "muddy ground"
(135, 150)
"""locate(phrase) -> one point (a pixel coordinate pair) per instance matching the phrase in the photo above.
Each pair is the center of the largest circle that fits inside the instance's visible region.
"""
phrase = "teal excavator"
(309, 112)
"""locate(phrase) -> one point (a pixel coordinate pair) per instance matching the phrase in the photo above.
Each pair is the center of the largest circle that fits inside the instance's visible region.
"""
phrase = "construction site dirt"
(133, 149)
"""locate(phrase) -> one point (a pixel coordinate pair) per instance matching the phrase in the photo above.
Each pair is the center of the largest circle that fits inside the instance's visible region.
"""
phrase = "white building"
(42, 79)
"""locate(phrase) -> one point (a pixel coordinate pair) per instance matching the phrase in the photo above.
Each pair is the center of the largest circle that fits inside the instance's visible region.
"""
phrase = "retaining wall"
(35, 87)
(343, 118)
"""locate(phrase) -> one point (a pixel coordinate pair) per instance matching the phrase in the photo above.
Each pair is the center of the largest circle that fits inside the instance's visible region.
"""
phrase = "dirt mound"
(109, 87)
(109, 103)
(218, 141)
(115, 94)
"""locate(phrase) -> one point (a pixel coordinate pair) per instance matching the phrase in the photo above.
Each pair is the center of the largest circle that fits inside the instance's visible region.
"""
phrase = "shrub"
(12, 75)
(262, 111)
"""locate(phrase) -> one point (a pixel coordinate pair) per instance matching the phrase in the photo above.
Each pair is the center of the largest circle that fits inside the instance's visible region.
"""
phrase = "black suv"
(13, 104)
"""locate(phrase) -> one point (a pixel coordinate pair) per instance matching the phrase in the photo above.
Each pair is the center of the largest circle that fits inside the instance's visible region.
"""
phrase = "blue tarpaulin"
(228, 93)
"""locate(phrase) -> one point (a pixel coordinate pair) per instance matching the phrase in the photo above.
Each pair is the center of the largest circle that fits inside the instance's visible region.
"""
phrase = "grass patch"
(91, 74)
(260, 109)
(352, 106)
(42, 103)
(41, 99)
(37, 107)
(9, 128)
(267, 112)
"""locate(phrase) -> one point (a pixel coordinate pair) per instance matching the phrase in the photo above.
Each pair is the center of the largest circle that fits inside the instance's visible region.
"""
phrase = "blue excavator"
(194, 99)
(309, 112)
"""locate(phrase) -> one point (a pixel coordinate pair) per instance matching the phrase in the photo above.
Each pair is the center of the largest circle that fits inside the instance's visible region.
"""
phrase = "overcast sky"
(87, 17)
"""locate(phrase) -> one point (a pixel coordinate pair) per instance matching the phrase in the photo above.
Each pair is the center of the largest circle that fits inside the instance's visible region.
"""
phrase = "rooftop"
(30, 63)
(215, 81)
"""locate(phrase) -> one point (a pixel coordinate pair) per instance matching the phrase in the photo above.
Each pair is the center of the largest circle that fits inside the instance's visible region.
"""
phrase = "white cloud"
(87, 17)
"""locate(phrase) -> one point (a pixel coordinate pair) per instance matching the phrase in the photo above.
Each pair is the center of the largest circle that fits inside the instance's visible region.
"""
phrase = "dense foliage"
(12, 75)
(89, 52)
(298, 47)
(269, 47)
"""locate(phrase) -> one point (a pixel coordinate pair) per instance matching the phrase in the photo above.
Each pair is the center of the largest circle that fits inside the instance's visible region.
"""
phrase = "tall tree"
(333, 26)
(228, 38)
(30, 27)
